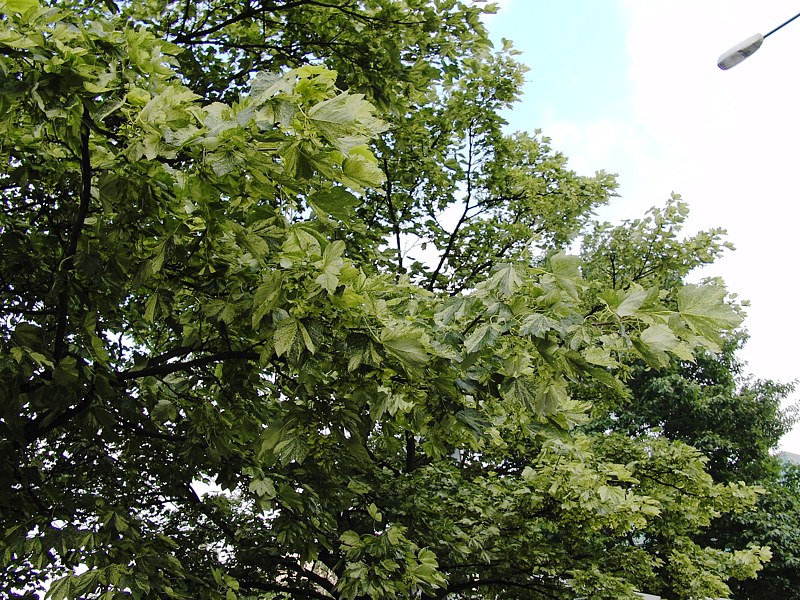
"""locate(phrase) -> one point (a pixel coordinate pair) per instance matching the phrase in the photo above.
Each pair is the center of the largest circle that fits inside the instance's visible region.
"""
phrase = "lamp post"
(742, 50)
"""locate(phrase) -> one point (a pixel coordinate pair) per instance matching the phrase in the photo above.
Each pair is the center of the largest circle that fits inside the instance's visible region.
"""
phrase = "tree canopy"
(735, 420)
(287, 313)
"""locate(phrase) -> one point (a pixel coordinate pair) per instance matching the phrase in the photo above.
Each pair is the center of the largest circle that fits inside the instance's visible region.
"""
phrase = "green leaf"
(265, 298)
(599, 356)
(484, 335)
(566, 270)
(407, 343)
(309, 344)
(507, 279)
(542, 398)
(360, 172)
(164, 411)
(331, 264)
(659, 337)
(521, 390)
(120, 524)
(336, 202)
(27, 334)
(657, 359)
(705, 312)
(537, 325)
(631, 301)
(18, 6)
(273, 435)
(346, 121)
(150, 308)
(551, 396)
(61, 589)
(284, 337)
(350, 538)
(263, 487)
(374, 512)
(291, 448)
(394, 534)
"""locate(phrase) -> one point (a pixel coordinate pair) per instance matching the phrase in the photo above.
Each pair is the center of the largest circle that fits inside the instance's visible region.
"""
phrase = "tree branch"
(60, 344)
(453, 236)
(411, 450)
(479, 583)
(254, 11)
(43, 424)
(292, 591)
(174, 367)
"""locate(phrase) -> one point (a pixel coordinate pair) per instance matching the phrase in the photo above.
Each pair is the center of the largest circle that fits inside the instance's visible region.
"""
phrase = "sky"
(632, 87)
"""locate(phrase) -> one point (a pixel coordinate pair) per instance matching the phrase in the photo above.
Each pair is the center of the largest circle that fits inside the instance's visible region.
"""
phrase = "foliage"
(733, 420)
(776, 524)
(219, 380)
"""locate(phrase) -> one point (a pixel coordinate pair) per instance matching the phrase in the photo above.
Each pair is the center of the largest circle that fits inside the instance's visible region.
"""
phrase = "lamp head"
(739, 52)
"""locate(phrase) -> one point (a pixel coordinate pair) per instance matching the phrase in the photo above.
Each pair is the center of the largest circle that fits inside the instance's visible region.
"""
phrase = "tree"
(774, 523)
(220, 380)
(708, 403)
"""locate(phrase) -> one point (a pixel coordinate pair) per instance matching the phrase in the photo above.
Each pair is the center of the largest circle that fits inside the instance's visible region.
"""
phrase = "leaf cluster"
(220, 374)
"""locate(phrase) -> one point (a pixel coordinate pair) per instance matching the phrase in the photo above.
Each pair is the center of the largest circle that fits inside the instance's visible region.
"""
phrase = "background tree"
(221, 374)
(774, 523)
(709, 403)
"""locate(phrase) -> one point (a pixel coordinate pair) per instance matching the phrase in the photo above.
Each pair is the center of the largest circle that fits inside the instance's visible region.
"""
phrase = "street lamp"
(742, 50)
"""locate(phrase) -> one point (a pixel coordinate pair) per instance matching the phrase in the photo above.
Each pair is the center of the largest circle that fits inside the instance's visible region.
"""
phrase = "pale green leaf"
(284, 337)
(170, 105)
(12, 39)
(346, 121)
(659, 337)
(451, 308)
(566, 270)
(537, 325)
(704, 309)
(406, 342)
(631, 301)
(599, 356)
(302, 242)
(265, 85)
(374, 512)
(506, 279)
(18, 6)
(484, 335)
(359, 172)
(331, 264)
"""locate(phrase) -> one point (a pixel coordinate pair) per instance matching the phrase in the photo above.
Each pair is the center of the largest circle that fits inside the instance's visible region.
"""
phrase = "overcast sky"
(632, 87)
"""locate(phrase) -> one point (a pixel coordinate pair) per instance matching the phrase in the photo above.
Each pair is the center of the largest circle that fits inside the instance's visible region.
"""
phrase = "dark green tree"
(776, 523)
